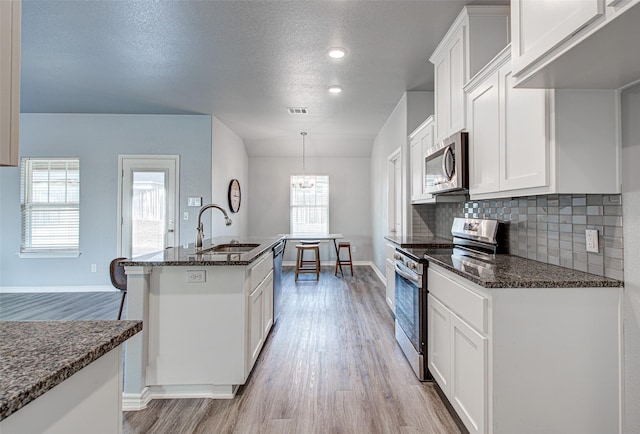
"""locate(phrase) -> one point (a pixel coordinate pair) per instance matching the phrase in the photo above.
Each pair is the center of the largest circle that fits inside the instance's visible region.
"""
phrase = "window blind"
(50, 205)
(310, 206)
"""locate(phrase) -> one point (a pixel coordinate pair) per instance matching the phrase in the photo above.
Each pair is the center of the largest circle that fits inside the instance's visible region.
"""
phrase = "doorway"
(394, 178)
(147, 198)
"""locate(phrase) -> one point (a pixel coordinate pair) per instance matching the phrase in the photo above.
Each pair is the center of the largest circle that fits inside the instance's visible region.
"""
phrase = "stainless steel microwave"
(446, 165)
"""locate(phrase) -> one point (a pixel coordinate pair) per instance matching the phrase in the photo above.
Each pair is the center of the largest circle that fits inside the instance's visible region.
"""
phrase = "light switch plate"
(592, 240)
(194, 201)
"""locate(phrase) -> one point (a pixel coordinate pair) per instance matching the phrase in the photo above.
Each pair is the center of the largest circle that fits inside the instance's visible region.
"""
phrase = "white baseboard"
(381, 276)
(88, 288)
(136, 402)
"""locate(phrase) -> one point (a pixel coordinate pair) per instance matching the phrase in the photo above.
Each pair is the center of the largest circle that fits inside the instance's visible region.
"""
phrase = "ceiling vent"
(297, 110)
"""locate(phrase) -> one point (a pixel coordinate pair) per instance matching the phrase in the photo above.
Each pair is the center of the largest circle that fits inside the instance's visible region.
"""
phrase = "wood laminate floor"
(53, 306)
(330, 365)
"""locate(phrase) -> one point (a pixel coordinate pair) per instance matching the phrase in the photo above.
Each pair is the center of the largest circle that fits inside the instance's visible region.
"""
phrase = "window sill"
(48, 255)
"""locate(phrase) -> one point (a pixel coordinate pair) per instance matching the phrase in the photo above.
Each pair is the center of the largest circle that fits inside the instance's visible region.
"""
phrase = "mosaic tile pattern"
(548, 229)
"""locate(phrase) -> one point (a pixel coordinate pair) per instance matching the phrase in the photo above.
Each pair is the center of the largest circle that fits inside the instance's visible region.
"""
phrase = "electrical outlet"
(185, 215)
(94, 268)
(592, 240)
(196, 276)
(353, 248)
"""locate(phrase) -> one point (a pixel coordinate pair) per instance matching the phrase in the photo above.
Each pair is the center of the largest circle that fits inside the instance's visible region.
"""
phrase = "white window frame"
(292, 206)
(26, 201)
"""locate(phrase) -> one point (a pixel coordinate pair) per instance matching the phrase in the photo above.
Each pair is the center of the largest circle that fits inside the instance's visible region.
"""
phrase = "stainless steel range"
(475, 241)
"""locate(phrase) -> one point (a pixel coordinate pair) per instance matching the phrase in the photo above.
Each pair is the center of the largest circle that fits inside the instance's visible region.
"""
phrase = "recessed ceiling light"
(337, 52)
(335, 88)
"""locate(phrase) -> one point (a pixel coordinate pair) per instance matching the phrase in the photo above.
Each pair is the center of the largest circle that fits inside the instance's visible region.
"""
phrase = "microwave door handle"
(409, 276)
(445, 170)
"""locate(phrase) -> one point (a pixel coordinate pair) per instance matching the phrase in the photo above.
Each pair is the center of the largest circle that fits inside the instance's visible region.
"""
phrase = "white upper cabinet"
(579, 44)
(420, 140)
(484, 125)
(9, 81)
(537, 141)
(475, 37)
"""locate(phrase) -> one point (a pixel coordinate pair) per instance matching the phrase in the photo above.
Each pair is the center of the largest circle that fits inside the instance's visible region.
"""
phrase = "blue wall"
(98, 140)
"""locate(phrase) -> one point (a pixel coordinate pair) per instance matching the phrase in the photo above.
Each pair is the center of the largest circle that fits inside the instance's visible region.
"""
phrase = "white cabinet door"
(441, 86)
(456, 80)
(438, 345)
(538, 26)
(484, 137)
(469, 375)
(10, 12)
(268, 305)
(449, 79)
(420, 140)
(417, 179)
(391, 284)
(524, 138)
(255, 326)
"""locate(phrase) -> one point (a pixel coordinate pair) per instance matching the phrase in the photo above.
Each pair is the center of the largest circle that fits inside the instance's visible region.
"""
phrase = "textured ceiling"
(242, 61)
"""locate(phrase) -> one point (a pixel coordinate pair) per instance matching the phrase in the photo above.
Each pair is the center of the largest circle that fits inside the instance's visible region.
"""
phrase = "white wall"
(412, 109)
(349, 199)
(229, 161)
(97, 140)
(631, 227)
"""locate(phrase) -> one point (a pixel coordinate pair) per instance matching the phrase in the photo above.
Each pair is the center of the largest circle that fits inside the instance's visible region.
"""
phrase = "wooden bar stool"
(339, 262)
(307, 266)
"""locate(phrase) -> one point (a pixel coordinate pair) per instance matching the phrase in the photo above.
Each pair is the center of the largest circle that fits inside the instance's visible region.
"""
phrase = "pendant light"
(303, 181)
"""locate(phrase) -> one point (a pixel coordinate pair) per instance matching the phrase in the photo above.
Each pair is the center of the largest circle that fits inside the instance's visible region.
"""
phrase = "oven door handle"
(404, 272)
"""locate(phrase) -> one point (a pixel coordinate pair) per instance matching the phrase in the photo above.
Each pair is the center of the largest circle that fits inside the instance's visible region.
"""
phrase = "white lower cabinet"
(256, 332)
(267, 322)
(468, 393)
(260, 315)
(390, 274)
(526, 360)
(391, 285)
(439, 343)
(457, 360)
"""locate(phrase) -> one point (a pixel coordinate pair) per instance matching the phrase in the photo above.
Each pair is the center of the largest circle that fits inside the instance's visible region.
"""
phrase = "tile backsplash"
(545, 228)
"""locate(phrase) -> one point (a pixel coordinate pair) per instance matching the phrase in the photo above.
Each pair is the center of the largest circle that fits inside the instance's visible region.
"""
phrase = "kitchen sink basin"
(231, 248)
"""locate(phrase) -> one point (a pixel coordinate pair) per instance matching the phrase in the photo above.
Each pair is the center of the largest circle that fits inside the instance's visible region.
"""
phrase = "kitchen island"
(62, 376)
(207, 314)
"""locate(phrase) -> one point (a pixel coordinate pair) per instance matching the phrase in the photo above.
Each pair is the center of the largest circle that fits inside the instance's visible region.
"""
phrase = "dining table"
(315, 237)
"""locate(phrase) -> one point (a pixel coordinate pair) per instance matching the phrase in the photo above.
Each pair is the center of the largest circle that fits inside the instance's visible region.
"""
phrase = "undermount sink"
(231, 248)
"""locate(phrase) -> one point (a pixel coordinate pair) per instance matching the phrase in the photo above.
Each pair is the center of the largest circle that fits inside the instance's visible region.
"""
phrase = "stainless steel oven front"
(411, 313)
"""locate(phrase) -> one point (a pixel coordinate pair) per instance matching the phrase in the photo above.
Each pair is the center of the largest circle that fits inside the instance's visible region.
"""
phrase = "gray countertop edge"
(20, 395)
(419, 242)
(192, 260)
(590, 280)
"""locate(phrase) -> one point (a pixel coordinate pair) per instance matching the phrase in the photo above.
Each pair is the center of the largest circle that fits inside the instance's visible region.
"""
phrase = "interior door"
(394, 197)
(148, 212)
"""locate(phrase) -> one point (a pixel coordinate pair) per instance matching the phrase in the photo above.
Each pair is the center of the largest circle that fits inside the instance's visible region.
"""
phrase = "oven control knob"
(397, 256)
(412, 265)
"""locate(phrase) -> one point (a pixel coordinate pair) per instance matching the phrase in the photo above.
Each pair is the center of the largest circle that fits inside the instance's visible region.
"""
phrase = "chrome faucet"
(200, 234)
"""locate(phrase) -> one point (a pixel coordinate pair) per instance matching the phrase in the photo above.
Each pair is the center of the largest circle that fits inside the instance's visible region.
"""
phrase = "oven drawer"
(467, 304)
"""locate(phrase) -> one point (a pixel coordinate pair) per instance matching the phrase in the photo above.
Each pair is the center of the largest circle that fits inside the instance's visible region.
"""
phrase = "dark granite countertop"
(419, 242)
(36, 356)
(187, 256)
(509, 271)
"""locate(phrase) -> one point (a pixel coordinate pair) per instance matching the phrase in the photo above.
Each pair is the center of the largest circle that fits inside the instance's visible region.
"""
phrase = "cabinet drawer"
(464, 302)
(390, 250)
(260, 270)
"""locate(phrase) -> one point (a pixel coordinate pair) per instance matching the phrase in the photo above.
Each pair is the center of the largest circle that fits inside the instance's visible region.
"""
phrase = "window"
(310, 206)
(50, 203)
